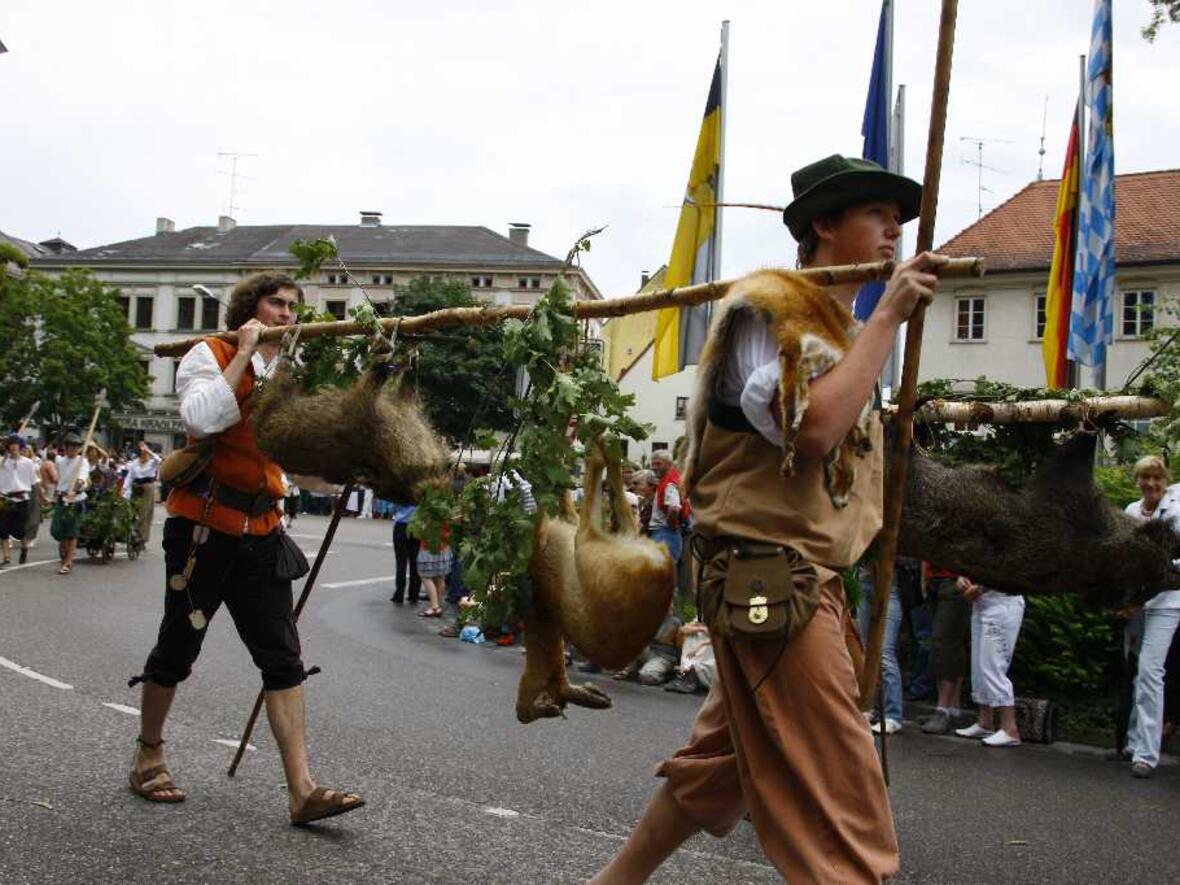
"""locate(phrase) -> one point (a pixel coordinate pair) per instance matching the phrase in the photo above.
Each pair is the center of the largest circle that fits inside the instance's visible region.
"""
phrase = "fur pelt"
(606, 593)
(371, 433)
(813, 331)
(1055, 534)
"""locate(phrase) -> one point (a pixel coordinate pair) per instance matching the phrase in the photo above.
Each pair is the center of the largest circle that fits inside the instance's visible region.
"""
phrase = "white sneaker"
(1002, 739)
(974, 730)
(892, 726)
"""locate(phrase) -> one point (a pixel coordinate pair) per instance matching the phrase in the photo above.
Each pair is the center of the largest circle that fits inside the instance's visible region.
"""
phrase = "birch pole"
(683, 296)
(895, 489)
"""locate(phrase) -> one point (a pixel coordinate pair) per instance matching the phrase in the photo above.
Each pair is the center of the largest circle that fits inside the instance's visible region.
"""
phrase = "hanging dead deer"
(372, 433)
(607, 593)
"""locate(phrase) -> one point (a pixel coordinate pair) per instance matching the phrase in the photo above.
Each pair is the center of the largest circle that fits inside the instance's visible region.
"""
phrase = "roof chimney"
(518, 232)
(370, 219)
(644, 278)
(225, 224)
(165, 225)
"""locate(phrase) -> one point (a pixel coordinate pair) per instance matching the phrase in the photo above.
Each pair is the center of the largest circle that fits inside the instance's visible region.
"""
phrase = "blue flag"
(875, 129)
(1091, 321)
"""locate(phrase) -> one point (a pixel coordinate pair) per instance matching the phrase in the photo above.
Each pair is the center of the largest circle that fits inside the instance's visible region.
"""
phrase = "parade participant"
(18, 477)
(781, 734)
(139, 485)
(69, 504)
(221, 544)
(37, 499)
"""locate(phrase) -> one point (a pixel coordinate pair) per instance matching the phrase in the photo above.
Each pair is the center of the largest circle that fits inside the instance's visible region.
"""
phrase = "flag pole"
(1073, 373)
(715, 256)
(896, 472)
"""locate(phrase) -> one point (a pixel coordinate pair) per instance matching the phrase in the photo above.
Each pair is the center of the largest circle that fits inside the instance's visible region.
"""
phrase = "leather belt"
(252, 505)
(16, 496)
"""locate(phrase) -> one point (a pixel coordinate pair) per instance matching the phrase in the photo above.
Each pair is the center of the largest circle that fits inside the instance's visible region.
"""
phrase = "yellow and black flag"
(680, 331)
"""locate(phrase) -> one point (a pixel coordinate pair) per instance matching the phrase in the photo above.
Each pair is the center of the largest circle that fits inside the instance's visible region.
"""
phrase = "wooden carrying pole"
(895, 489)
(974, 413)
(307, 585)
(958, 268)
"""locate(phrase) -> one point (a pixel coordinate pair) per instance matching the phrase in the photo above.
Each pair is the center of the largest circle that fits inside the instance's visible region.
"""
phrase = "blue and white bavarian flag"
(1091, 322)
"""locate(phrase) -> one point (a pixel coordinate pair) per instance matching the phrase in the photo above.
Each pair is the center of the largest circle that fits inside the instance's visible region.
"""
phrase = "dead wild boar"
(1056, 534)
(371, 433)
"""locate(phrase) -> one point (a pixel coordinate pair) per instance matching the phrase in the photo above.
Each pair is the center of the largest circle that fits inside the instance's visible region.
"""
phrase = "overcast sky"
(563, 115)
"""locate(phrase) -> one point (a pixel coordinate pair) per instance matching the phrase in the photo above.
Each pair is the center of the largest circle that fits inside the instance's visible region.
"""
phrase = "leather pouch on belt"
(769, 592)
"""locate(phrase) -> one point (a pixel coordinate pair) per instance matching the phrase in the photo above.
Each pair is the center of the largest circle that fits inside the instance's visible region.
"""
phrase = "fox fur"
(813, 331)
(607, 593)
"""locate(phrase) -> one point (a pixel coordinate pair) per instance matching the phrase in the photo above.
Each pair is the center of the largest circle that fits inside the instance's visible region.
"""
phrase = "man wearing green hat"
(69, 507)
(781, 736)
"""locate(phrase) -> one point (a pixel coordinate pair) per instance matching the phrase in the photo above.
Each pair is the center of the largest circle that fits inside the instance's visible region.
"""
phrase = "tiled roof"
(1018, 234)
(266, 245)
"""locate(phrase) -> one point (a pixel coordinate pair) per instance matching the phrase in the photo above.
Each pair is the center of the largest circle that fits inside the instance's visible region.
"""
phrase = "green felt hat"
(72, 439)
(837, 182)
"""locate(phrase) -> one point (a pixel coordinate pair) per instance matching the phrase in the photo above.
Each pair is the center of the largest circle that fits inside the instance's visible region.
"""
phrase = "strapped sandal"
(323, 803)
(141, 779)
(65, 569)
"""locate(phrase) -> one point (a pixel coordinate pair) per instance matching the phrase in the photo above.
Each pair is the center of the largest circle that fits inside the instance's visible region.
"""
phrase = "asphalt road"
(457, 790)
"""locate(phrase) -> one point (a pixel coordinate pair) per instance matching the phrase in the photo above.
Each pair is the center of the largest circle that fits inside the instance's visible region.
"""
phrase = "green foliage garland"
(570, 399)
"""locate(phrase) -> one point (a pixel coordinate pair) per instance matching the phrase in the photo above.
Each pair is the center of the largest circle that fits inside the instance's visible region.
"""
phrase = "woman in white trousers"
(1161, 615)
(995, 625)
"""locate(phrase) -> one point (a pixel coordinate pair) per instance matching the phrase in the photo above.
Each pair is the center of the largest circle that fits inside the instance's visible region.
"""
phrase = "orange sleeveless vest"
(237, 463)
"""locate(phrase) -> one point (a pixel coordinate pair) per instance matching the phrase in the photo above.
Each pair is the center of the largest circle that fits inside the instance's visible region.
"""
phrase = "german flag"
(680, 332)
(1060, 289)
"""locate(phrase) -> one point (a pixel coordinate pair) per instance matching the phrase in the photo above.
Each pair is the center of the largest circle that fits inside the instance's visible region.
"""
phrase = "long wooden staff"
(895, 489)
(99, 402)
(683, 296)
(307, 585)
(29, 417)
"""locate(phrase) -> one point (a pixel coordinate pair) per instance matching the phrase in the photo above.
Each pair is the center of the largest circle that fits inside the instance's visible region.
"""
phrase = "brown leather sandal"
(140, 779)
(324, 803)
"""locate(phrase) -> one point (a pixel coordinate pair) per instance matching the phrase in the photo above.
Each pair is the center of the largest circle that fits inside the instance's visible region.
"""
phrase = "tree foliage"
(570, 400)
(1161, 11)
(62, 340)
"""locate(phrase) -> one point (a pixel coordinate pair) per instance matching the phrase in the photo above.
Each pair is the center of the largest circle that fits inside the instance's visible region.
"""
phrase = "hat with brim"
(72, 439)
(835, 183)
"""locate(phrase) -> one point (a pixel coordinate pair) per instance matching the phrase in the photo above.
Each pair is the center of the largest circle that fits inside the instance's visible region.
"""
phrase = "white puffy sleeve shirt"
(207, 402)
(752, 373)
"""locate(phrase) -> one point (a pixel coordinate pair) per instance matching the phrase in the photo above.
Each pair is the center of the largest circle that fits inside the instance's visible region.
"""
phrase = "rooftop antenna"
(980, 166)
(1041, 152)
(231, 208)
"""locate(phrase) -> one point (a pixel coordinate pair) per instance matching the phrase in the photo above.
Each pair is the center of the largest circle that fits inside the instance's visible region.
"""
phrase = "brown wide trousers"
(797, 754)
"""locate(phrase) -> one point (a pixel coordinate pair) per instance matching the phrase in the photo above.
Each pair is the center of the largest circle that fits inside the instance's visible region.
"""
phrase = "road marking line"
(33, 674)
(122, 708)
(359, 583)
(501, 812)
(16, 568)
(233, 744)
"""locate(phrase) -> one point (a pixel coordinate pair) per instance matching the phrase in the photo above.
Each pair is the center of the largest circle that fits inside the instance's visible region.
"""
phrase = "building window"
(969, 319)
(175, 370)
(337, 279)
(125, 304)
(143, 312)
(1040, 305)
(338, 309)
(186, 313)
(657, 446)
(681, 408)
(382, 279)
(530, 283)
(481, 282)
(210, 313)
(1138, 313)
